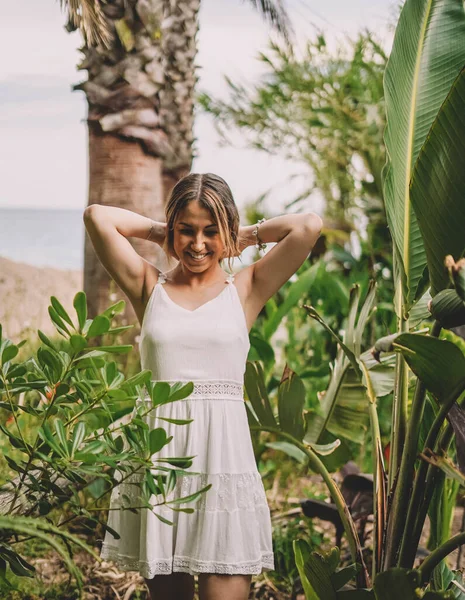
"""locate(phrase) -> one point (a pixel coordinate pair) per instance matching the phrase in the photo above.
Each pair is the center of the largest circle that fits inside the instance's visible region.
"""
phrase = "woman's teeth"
(196, 257)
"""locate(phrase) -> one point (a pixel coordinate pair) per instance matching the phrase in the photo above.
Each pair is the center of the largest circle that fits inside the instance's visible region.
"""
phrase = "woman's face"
(197, 235)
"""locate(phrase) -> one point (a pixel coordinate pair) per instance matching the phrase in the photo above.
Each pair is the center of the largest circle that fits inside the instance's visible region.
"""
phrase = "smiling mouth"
(196, 258)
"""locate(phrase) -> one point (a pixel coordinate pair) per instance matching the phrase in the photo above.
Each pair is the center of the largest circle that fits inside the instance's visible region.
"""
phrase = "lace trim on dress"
(186, 564)
(162, 277)
(221, 389)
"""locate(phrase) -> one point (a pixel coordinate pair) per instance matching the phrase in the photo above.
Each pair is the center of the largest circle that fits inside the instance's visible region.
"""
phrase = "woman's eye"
(187, 231)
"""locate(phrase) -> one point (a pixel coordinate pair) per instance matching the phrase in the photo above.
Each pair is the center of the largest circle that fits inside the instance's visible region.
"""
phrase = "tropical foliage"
(70, 444)
(423, 192)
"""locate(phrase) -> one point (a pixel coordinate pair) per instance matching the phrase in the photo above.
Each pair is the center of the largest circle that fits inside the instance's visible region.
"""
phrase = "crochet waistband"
(210, 389)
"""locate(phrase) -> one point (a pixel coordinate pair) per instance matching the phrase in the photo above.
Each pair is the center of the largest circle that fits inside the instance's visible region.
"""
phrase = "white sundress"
(230, 530)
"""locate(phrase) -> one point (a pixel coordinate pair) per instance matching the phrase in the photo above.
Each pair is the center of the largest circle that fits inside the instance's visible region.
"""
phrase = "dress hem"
(185, 564)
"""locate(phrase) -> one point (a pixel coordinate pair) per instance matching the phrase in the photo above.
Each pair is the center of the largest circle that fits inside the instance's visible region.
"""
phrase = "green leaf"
(157, 439)
(438, 181)
(114, 349)
(99, 326)
(347, 351)
(397, 583)
(190, 497)
(163, 519)
(291, 401)
(420, 311)
(340, 578)
(445, 464)
(140, 378)
(176, 421)
(290, 449)
(79, 433)
(50, 534)
(78, 342)
(439, 364)
(180, 390)
(427, 54)
(61, 435)
(254, 381)
(45, 339)
(343, 408)
(160, 393)
(58, 322)
(61, 311)
(302, 554)
(365, 313)
(448, 308)
(315, 570)
(262, 347)
(80, 305)
(382, 372)
(294, 294)
(326, 449)
(9, 352)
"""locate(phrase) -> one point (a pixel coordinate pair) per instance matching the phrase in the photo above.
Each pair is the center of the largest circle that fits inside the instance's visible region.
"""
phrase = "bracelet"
(259, 245)
(150, 232)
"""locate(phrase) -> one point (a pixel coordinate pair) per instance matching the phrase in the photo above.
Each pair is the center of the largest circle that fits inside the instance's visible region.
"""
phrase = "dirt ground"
(25, 292)
(103, 581)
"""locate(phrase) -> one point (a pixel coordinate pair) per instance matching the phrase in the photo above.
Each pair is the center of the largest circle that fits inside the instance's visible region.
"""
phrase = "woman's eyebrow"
(189, 225)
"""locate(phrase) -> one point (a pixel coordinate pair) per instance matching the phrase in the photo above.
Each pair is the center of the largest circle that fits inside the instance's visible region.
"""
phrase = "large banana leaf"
(439, 364)
(438, 185)
(343, 407)
(295, 292)
(427, 55)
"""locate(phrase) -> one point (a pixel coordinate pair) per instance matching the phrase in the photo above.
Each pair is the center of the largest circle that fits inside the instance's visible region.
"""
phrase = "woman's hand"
(246, 239)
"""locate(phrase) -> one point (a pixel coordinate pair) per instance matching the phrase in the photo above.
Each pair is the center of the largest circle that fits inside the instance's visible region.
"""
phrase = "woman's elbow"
(314, 223)
(90, 212)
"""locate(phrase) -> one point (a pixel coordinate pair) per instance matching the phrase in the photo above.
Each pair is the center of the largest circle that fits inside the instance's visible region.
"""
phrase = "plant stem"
(399, 411)
(459, 554)
(424, 485)
(379, 476)
(318, 467)
(397, 516)
(431, 561)
(398, 434)
(379, 491)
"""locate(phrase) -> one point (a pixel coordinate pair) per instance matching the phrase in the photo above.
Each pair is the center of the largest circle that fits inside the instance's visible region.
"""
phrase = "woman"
(195, 328)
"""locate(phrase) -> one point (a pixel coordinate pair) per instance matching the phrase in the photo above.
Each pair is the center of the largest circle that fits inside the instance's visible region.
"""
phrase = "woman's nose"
(198, 243)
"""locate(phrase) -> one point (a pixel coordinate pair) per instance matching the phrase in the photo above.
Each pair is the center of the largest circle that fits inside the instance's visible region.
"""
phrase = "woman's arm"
(108, 228)
(276, 228)
(127, 222)
(295, 235)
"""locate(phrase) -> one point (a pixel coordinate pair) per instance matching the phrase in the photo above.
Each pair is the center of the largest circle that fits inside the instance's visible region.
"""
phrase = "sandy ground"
(25, 292)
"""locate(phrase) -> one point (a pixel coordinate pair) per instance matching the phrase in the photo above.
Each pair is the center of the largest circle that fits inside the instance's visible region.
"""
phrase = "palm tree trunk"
(120, 174)
(140, 94)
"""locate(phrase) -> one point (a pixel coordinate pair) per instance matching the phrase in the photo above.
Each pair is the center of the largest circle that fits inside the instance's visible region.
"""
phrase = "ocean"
(46, 237)
(51, 237)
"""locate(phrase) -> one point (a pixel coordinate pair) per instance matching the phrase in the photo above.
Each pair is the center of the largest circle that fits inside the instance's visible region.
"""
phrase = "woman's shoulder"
(243, 280)
(152, 276)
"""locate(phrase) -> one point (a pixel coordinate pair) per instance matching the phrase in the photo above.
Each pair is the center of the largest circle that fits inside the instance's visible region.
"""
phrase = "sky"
(43, 155)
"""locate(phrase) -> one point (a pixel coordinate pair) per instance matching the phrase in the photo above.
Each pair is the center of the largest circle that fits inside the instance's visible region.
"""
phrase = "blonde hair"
(213, 193)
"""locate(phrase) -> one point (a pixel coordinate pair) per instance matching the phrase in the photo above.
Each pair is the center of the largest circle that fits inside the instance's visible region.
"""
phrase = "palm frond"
(276, 14)
(87, 15)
